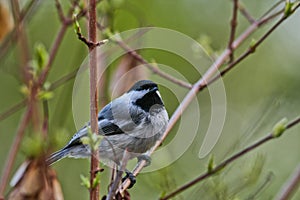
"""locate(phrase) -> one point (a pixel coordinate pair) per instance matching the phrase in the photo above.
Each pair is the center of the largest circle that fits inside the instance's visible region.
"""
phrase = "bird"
(133, 121)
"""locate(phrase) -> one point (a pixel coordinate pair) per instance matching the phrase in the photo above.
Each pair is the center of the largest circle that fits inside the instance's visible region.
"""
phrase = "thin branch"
(250, 50)
(197, 87)
(14, 150)
(57, 42)
(233, 25)
(13, 109)
(153, 68)
(60, 11)
(88, 43)
(272, 8)
(290, 186)
(226, 162)
(45, 125)
(245, 12)
(22, 41)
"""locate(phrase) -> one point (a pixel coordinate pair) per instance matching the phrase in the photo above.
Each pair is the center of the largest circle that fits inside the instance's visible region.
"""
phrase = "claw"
(131, 177)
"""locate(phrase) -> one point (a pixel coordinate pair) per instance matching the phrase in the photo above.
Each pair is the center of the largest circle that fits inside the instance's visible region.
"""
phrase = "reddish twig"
(13, 109)
(22, 40)
(226, 162)
(57, 42)
(60, 11)
(92, 30)
(246, 14)
(290, 186)
(233, 25)
(45, 124)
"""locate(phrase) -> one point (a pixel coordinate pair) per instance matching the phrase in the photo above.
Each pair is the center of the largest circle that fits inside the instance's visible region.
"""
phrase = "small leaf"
(288, 9)
(253, 42)
(85, 140)
(211, 164)
(24, 90)
(96, 180)
(41, 55)
(85, 181)
(76, 25)
(279, 127)
(34, 146)
(45, 95)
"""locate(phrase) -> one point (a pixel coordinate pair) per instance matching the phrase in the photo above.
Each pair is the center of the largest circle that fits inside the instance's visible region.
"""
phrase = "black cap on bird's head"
(149, 99)
(144, 85)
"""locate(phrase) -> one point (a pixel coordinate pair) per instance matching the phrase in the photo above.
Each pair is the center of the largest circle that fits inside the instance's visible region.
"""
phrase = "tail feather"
(56, 156)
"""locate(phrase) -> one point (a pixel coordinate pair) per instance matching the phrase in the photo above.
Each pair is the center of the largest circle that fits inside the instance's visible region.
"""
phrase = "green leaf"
(96, 180)
(25, 90)
(76, 25)
(41, 55)
(211, 164)
(279, 127)
(45, 95)
(253, 42)
(85, 181)
(93, 140)
(34, 146)
(288, 8)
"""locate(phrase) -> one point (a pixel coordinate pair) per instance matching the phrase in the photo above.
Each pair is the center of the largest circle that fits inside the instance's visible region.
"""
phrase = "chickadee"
(133, 121)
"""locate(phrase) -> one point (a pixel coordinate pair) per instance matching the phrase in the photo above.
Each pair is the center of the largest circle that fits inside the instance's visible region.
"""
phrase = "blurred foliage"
(262, 90)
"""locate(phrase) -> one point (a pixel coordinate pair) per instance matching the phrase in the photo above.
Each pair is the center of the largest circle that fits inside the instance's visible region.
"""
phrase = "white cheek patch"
(157, 92)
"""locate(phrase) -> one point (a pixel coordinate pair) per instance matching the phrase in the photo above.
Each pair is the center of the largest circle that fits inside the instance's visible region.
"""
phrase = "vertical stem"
(92, 30)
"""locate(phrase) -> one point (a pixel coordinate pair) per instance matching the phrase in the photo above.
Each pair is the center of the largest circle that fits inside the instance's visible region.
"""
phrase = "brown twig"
(290, 187)
(245, 12)
(45, 124)
(60, 11)
(22, 40)
(53, 51)
(13, 109)
(272, 8)
(153, 68)
(89, 43)
(226, 162)
(233, 25)
(250, 50)
(92, 31)
(202, 83)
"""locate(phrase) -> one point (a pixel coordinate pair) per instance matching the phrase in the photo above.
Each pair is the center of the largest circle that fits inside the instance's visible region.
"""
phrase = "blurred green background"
(260, 91)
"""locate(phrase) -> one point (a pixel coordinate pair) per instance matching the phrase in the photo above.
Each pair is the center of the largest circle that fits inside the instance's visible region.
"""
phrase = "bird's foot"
(131, 177)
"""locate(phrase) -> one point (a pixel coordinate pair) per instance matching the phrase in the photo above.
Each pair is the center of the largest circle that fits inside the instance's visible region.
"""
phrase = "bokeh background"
(260, 91)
